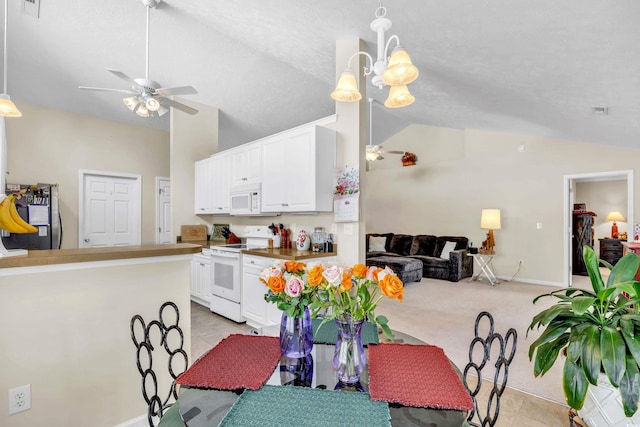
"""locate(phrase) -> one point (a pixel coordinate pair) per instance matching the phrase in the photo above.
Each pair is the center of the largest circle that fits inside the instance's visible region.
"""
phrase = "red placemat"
(415, 375)
(238, 361)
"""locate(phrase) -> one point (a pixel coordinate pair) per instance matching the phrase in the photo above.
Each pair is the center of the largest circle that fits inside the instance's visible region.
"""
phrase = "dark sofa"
(425, 248)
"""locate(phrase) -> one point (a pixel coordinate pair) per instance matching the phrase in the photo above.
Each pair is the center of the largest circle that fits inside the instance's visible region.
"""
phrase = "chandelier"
(397, 72)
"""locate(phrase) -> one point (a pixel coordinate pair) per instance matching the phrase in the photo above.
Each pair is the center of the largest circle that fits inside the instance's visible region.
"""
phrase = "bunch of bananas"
(10, 220)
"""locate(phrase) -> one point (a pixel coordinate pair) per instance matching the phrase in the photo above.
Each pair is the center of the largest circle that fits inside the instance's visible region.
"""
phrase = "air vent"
(602, 111)
(31, 8)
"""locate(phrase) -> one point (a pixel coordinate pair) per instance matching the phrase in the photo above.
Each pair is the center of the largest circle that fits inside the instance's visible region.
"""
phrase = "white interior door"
(110, 210)
(163, 210)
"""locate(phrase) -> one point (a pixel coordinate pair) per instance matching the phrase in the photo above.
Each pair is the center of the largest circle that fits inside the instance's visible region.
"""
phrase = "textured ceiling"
(519, 66)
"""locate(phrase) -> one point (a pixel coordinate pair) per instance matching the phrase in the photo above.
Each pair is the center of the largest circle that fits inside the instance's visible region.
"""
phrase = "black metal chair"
(165, 336)
(504, 346)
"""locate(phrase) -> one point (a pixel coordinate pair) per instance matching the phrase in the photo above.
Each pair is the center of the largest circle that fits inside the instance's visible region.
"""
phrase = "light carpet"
(443, 313)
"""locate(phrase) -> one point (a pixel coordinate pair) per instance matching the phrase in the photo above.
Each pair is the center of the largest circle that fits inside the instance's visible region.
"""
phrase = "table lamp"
(490, 220)
(614, 216)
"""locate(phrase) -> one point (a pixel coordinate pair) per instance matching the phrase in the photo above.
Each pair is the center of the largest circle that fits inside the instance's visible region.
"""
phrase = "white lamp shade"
(615, 216)
(8, 108)
(400, 70)
(399, 96)
(490, 219)
(347, 88)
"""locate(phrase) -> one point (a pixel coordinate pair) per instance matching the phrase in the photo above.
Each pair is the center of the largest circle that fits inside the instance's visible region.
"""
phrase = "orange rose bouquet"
(355, 292)
(292, 285)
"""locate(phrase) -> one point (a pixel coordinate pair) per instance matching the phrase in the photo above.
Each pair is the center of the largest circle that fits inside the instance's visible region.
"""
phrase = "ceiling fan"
(148, 98)
(374, 152)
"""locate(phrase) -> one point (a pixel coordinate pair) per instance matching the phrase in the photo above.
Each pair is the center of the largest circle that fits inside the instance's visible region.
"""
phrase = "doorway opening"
(607, 191)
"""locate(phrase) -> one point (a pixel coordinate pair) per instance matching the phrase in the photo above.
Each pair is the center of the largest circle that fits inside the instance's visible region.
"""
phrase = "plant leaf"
(591, 355)
(547, 355)
(576, 339)
(591, 262)
(630, 387)
(613, 350)
(624, 270)
(574, 384)
(580, 305)
(553, 331)
(633, 345)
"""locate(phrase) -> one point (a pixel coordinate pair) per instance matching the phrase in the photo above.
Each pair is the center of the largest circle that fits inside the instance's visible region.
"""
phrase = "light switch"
(348, 229)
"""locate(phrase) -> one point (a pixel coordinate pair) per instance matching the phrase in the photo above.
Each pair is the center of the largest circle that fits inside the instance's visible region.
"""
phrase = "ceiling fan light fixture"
(399, 96)
(142, 111)
(151, 103)
(400, 70)
(7, 107)
(347, 88)
(131, 102)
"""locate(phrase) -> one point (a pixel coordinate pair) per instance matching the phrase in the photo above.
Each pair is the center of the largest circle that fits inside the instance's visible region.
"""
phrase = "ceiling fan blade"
(129, 92)
(182, 90)
(124, 77)
(179, 106)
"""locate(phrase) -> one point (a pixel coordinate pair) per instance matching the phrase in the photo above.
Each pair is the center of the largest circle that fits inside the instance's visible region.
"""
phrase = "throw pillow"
(448, 247)
(377, 244)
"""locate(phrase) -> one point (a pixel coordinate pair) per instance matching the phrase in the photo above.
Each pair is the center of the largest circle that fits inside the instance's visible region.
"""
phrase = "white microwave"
(246, 200)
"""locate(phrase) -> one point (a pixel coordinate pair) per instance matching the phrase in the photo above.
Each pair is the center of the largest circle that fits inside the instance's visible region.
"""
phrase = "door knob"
(86, 240)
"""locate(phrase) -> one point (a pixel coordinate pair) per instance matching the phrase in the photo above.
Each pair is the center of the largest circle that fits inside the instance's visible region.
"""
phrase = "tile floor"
(516, 408)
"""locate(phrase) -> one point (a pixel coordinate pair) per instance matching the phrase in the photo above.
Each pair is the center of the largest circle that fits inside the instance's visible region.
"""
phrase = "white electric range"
(226, 271)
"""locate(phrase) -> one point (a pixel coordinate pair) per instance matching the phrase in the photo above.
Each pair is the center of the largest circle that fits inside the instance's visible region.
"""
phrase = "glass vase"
(296, 335)
(349, 358)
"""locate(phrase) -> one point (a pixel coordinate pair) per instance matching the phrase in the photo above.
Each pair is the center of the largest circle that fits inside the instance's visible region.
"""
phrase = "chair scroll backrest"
(168, 337)
(503, 354)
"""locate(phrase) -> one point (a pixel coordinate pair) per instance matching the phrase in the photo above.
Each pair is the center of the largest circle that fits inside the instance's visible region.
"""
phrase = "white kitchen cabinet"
(203, 197)
(201, 280)
(246, 164)
(221, 183)
(298, 170)
(255, 309)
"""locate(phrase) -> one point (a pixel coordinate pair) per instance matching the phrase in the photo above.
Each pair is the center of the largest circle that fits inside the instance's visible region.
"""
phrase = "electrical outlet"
(348, 229)
(19, 399)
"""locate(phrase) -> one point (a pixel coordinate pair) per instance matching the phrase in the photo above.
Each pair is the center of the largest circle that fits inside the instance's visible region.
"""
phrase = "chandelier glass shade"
(395, 71)
(7, 107)
(399, 96)
(145, 106)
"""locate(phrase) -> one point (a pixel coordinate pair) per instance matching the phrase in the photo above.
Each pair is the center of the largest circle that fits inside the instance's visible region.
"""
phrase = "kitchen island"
(67, 332)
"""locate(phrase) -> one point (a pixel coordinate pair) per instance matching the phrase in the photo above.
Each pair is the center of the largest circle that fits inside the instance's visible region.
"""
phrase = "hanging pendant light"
(7, 107)
(394, 71)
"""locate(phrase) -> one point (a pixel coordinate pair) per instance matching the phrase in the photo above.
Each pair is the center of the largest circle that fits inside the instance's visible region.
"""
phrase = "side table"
(486, 267)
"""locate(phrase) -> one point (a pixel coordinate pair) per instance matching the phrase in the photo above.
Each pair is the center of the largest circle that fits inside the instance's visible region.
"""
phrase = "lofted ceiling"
(518, 66)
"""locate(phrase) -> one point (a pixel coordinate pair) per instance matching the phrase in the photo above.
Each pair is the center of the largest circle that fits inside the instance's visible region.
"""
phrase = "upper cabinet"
(212, 184)
(298, 170)
(246, 164)
(203, 197)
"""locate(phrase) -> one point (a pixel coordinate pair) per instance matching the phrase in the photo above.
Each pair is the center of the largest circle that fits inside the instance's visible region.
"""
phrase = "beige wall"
(68, 335)
(51, 146)
(459, 172)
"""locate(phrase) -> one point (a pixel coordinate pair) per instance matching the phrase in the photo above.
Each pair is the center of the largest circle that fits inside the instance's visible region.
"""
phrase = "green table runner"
(328, 333)
(298, 406)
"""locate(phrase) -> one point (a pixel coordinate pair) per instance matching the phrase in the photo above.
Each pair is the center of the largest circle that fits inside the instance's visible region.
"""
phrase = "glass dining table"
(203, 407)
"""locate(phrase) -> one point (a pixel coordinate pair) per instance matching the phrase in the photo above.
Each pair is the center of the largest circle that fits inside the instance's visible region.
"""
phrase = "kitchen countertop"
(289, 254)
(65, 256)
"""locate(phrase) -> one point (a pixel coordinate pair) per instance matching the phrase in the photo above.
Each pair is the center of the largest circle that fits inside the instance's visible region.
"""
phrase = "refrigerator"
(39, 207)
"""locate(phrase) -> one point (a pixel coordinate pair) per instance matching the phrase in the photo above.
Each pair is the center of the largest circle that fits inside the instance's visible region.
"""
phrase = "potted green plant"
(597, 331)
